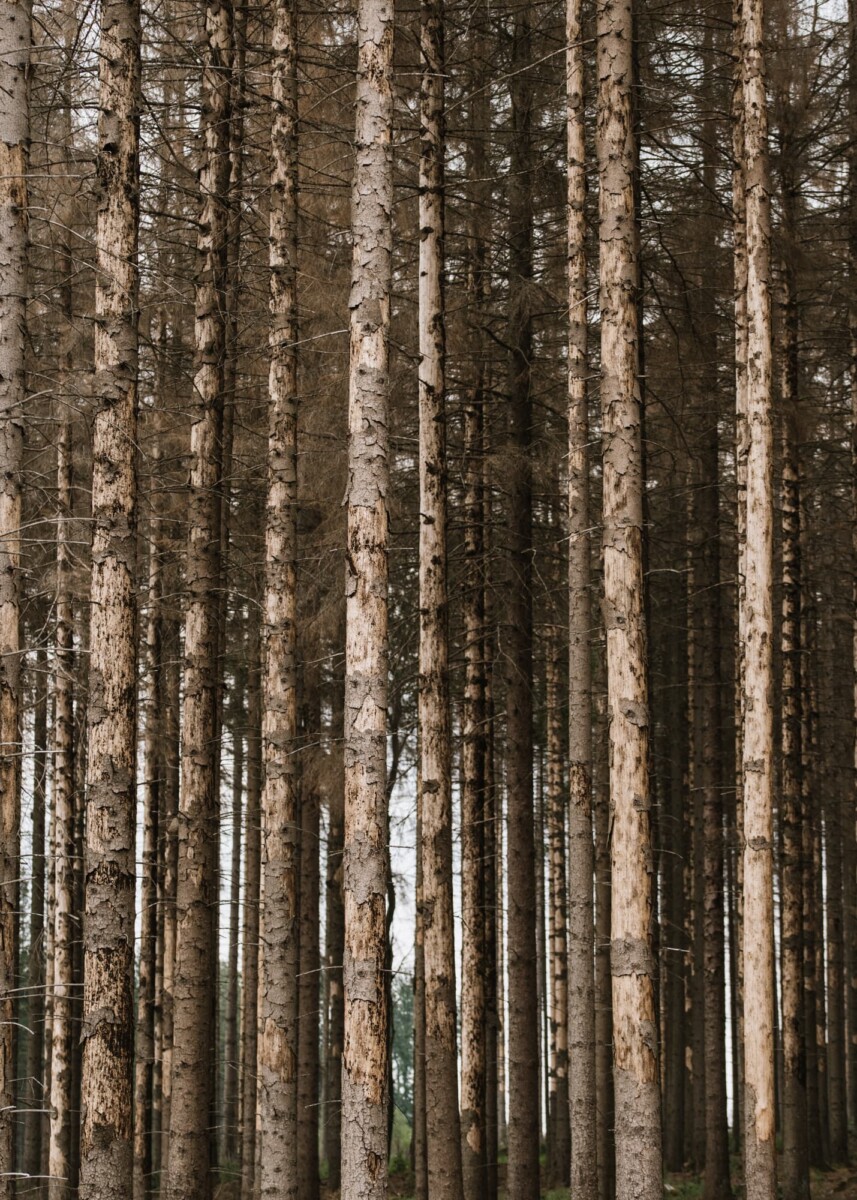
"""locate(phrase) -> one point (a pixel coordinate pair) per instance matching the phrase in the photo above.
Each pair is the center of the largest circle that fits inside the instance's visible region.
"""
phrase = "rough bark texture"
(15, 40)
(523, 1060)
(755, 633)
(35, 1099)
(252, 874)
(581, 851)
(63, 849)
(558, 1122)
(795, 1150)
(442, 1122)
(108, 996)
(638, 1123)
(144, 1047)
(231, 1066)
(851, 887)
(365, 1059)
(190, 1150)
(279, 931)
(333, 943)
(603, 991)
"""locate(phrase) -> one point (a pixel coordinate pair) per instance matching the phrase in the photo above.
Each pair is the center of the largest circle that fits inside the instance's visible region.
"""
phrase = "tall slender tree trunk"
(581, 852)
(231, 1077)
(169, 878)
(15, 41)
(192, 1150)
(63, 849)
(442, 1121)
(252, 873)
(365, 1096)
(279, 929)
(475, 909)
(153, 762)
(755, 635)
(35, 1095)
(605, 1150)
(492, 872)
(333, 943)
(795, 1151)
(635, 1058)
(309, 965)
(107, 1068)
(523, 1010)
(558, 1121)
(851, 891)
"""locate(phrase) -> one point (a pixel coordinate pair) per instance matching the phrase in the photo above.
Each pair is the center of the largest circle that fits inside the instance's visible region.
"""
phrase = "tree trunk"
(192, 1150)
(635, 1060)
(15, 41)
(365, 1097)
(605, 1149)
(333, 942)
(107, 1068)
(558, 1120)
(144, 1048)
(231, 1080)
(755, 635)
(35, 1095)
(795, 1150)
(168, 878)
(252, 872)
(279, 928)
(523, 1063)
(63, 850)
(581, 853)
(442, 1121)
(309, 968)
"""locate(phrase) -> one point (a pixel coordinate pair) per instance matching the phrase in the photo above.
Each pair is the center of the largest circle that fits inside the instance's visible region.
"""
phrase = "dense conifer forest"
(428, 599)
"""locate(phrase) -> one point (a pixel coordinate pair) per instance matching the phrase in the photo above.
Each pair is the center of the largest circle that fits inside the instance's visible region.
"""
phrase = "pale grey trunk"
(755, 632)
(365, 1058)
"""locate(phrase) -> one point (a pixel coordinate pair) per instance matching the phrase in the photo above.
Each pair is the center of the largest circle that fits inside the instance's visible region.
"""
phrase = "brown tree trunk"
(638, 1126)
(192, 1150)
(558, 1120)
(279, 963)
(523, 1064)
(252, 873)
(15, 41)
(365, 1073)
(107, 1069)
(168, 878)
(755, 635)
(581, 853)
(442, 1118)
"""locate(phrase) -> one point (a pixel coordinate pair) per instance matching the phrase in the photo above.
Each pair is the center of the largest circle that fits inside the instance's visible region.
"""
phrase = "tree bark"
(35, 1096)
(365, 1097)
(252, 873)
(755, 635)
(523, 1062)
(144, 1048)
(231, 1076)
(635, 1061)
(279, 929)
(442, 1120)
(192, 1151)
(583, 1100)
(15, 42)
(333, 942)
(107, 1068)
(63, 850)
